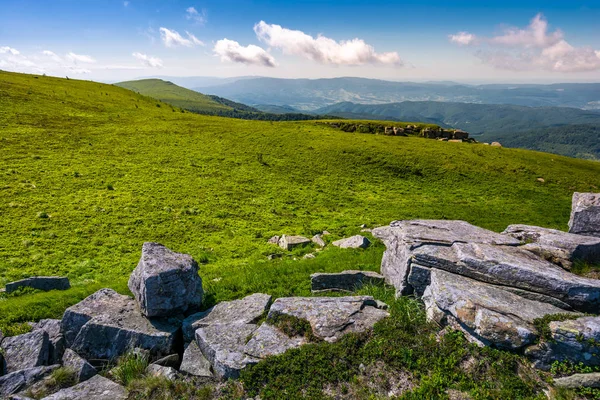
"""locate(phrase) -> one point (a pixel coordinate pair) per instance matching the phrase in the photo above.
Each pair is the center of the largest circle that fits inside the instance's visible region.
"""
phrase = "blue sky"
(471, 41)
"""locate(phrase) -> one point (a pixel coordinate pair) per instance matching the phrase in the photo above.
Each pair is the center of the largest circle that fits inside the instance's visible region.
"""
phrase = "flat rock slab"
(353, 242)
(194, 362)
(246, 311)
(95, 388)
(82, 369)
(165, 283)
(591, 380)
(331, 317)
(348, 281)
(106, 325)
(20, 380)
(487, 313)
(26, 351)
(556, 246)
(45, 283)
(291, 242)
(401, 238)
(585, 214)
(513, 267)
(268, 340)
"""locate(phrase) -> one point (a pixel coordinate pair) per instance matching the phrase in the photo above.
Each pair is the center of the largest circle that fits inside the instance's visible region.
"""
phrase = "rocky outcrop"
(106, 325)
(346, 281)
(585, 214)
(591, 380)
(165, 283)
(269, 340)
(95, 388)
(354, 242)
(291, 242)
(17, 381)
(56, 339)
(83, 370)
(45, 283)
(25, 351)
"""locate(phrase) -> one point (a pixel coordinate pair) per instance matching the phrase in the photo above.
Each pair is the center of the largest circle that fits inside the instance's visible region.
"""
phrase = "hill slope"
(91, 171)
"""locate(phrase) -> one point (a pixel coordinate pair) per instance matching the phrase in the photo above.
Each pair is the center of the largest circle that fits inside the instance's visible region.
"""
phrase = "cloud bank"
(232, 51)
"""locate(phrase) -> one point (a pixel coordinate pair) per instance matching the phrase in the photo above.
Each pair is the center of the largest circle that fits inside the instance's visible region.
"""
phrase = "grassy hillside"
(91, 171)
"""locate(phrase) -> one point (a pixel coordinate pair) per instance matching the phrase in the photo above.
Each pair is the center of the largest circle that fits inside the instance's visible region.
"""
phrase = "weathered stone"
(268, 340)
(496, 144)
(95, 388)
(55, 336)
(318, 240)
(585, 214)
(83, 370)
(558, 247)
(515, 267)
(194, 362)
(402, 237)
(309, 256)
(591, 380)
(25, 351)
(347, 281)
(419, 278)
(274, 240)
(331, 317)
(165, 283)
(247, 311)
(20, 380)
(291, 242)
(354, 242)
(106, 325)
(44, 283)
(172, 360)
(487, 313)
(577, 341)
(223, 346)
(159, 371)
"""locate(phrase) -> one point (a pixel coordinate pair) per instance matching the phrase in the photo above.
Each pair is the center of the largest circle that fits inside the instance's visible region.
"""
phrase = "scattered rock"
(348, 281)
(106, 325)
(585, 214)
(309, 256)
(244, 311)
(354, 242)
(318, 240)
(157, 371)
(95, 388)
(82, 369)
(45, 283)
(290, 242)
(194, 362)
(172, 360)
(366, 230)
(273, 256)
(325, 233)
(541, 180)
(25, 351)
(17, 381)
(274, 240)
(165, 283)
(496, 144)
(55, 336)
(591, 380)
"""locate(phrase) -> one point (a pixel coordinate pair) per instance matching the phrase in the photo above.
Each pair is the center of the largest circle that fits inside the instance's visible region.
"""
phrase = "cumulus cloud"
(149, 61)
(9, 50)
(232, 51)
(80, 58)
(52, 55)
(534, 47)
(462, 38)
(194, 15)
(172, 38)
(322, 49)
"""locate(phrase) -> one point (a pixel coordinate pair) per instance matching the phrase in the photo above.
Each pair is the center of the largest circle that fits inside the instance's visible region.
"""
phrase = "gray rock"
(419, 277)
(55, 336)
(291, 242)
(331, 317)
(318, 240)
(223, 346)
(95, 388)
(515, 267)
(165, 283)
(558, 247)
(83, 370)
(246, 311)
(45, 283)
(25, 351)
(159, 371)
(194, 362)
(274, 240)
(402, 237)
(268, 340)
(348, 281)
(20, 380)
(591, 380)
(487, 313)
(106, 325)
(585, 214)
(577, 341)
(353, 242)
(172, 360)
(309, 256)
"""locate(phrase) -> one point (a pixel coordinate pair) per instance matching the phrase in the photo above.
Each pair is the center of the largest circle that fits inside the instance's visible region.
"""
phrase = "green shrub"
(130, 366)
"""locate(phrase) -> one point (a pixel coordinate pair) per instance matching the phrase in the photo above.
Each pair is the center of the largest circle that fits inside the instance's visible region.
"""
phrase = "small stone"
(82, 369)
(309, 256)
(194, 362)
(95, 388)
(274, 240)
(318, 240)
(291, 242)
(496, 144)
(354, 242)
(45, 283)
(159, 371)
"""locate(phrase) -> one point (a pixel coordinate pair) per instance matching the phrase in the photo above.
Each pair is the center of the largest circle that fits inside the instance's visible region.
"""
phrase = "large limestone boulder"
(25, 351)
(165, 283)
(82, 369)
(245, 311)
(585, 214)
(45, 283)
(353, 242)
(488, 314)
(346, 281)
(291, 242)
(106, 325)
(95, 388)
(401, 238)
(20, 380)
(56, 339)
(556, 246)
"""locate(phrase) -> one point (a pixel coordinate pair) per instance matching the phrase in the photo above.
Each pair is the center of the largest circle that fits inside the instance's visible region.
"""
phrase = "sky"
(473, 41)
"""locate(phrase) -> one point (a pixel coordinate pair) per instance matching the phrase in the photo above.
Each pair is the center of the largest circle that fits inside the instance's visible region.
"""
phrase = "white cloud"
(194, 15)
(172, 38)
(52, 55)
(322, 49)
(534, 48)
(462, 38)
(149, 61)
(82, 58)
(232, 51)
(9, 50)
